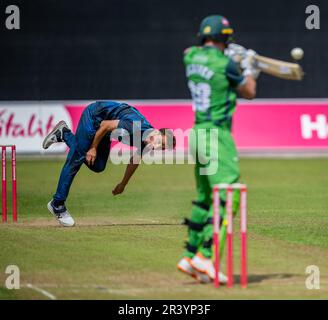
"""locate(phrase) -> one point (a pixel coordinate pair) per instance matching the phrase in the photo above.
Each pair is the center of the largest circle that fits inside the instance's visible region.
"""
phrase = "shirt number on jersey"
(200, 93)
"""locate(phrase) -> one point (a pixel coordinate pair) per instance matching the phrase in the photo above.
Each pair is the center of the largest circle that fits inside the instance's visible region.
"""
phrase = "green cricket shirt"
(212, 80)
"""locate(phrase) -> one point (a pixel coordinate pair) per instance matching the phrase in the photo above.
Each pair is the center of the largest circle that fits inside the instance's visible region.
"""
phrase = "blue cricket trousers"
(79, 145)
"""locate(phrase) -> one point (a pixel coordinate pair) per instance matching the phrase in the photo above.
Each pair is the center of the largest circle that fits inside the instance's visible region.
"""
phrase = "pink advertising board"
(260, 125)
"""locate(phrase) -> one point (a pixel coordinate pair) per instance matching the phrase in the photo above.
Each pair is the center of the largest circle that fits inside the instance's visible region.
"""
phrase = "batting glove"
(248, 64)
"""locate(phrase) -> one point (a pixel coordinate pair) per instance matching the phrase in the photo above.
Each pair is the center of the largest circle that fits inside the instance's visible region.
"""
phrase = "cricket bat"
(280, 69)
(277, 68)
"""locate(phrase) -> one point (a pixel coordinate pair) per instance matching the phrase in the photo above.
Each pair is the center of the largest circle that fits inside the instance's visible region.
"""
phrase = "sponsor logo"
(225, 22)
(30, 127)
(312, 127)
(27, 125)
(207, 29)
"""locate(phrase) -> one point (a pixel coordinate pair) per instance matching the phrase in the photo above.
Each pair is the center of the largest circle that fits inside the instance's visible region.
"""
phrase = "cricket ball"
(297, 53)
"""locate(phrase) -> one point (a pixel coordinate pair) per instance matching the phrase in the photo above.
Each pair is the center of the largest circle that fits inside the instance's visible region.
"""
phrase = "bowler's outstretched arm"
(129, 171)
(105, 127)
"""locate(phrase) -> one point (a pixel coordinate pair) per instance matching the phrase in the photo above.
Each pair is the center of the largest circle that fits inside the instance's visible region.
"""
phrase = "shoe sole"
(53, 213)
(60, 123)
(201, 271)
(197, 275)
(187, 272)
(204, 272)
(200, 278)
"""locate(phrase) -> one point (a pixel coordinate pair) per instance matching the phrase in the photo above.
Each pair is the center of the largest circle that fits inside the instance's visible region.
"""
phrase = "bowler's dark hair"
(170, 138)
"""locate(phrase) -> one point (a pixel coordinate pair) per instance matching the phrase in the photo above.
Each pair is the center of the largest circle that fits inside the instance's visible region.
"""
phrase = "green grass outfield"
(127, 247)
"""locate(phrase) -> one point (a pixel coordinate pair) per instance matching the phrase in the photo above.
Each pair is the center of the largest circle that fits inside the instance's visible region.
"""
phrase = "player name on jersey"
(199, 69)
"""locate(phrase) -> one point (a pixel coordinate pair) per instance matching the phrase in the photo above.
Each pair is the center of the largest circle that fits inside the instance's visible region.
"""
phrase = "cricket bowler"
(91, 145)
(214, 81)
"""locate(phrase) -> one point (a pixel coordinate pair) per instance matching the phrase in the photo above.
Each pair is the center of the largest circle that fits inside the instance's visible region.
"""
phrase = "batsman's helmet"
(216, 28)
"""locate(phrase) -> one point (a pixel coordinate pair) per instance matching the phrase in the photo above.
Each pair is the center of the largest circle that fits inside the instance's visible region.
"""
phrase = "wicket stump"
(4, 182)
(243, 232)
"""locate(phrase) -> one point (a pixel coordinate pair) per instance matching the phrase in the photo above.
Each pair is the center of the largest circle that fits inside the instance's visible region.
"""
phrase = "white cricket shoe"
(206, 266)
(185, 266)
(202, 277)
(56, 135)
(61, 214)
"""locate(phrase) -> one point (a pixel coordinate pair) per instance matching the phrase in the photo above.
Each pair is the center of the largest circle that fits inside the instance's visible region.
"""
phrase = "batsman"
(214, 81)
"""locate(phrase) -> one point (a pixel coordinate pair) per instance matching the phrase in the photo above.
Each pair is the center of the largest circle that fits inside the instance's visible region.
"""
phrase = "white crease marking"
(44, 292)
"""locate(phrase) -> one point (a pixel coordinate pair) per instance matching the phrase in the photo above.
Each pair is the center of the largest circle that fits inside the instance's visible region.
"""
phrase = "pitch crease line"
(44, 292)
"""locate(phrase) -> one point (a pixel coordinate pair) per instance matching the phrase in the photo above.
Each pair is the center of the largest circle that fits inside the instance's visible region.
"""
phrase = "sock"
(58, 203)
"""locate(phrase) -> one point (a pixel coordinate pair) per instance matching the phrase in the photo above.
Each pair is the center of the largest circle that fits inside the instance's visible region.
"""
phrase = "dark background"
(132, 49)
